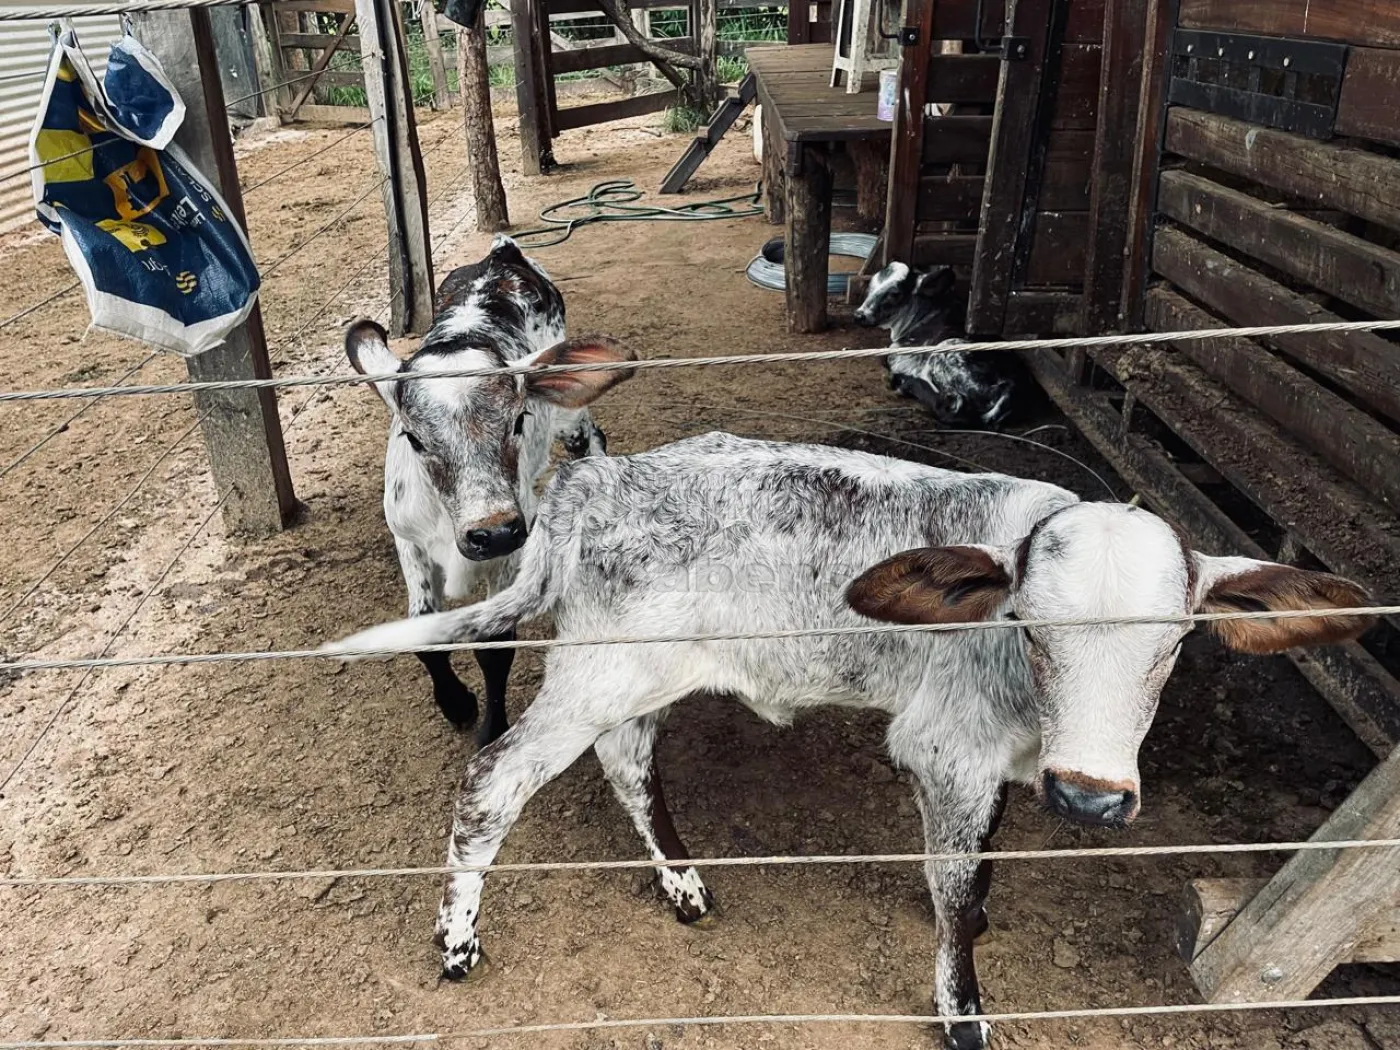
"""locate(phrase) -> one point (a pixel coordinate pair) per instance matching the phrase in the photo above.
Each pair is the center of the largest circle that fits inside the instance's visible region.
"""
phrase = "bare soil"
(307, 764)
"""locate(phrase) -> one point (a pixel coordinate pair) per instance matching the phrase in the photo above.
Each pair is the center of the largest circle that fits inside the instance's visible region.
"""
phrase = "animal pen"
(1089, 167)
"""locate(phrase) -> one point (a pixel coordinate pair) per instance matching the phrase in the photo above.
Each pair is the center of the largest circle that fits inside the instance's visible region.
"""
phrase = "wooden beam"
(957, 139)
(1210, 905)
(264, 66)
(808, 241)
(241, 428)
(1375, 22)
(395, 135)
(576, 60)
(1360, 362)
(277, 59)
(945, 198)
(432, 41)
(1323, 174)
(1369, 106)
(1344, 436)
(1147, 156)
(944, 249)
(1310, 916)
(530, 102)
(1110, 182)
(1038, 312)
(617, 109)
(1022, 123)
(907, 146)
(1340, 264)
(322, 61)
(963, 78)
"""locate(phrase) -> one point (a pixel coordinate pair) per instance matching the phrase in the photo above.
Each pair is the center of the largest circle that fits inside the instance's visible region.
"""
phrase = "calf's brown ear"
(932, 585)
(1246, 585)
(577, 389)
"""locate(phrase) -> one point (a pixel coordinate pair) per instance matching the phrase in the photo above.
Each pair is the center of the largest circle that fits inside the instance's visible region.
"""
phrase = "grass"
(682, 120)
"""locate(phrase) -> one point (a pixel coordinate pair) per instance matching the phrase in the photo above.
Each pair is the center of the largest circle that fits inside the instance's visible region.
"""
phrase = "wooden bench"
(803, 118)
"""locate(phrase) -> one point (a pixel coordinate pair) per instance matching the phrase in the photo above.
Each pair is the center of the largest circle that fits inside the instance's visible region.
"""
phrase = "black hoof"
(701, 918)
(460, 974)
(457, 704)
(964, 1037)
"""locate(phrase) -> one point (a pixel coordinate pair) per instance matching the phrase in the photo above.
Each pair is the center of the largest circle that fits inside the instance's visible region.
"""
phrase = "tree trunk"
(707, 89)
(475, 82)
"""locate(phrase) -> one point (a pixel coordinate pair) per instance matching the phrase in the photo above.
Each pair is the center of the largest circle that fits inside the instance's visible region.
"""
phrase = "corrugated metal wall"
(24, 55)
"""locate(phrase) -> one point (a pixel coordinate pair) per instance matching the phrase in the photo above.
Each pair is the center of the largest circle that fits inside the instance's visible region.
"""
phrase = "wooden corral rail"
(1266, 190)
(298, 55)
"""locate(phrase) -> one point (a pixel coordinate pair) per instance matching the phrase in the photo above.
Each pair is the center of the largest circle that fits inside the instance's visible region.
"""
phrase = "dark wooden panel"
(957, 19)
(1352, 21)
(1370, 102)
(1042, 313)
(963, 78)
(319, 41)
(1342, 524)
(1344, 436)
(1064, 181)
(1057, 248)
(1085, 22)
(340, 7)
(1077, 94)
(1351, 680)
(944, 249)
(1321, 173)
(1361, 362)
(1022, 118)
(598, 112)
(1111, 168)
(957, 140)
(1347, 267)
(950, 198)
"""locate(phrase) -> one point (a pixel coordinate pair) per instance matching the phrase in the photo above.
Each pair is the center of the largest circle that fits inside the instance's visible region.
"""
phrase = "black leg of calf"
(456, 702)
(495, 667)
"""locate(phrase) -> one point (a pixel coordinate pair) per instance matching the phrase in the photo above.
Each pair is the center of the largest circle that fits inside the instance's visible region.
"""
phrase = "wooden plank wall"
(1253, 225)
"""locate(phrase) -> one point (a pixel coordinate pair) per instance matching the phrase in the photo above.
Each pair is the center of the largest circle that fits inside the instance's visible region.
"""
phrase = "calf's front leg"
(495, 667)
(959, 817)
(424, 579)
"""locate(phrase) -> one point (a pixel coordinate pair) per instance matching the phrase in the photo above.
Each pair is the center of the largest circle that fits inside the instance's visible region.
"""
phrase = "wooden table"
(803, 116)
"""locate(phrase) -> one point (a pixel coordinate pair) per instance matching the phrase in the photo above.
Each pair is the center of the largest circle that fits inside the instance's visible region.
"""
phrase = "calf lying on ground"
(464, 454)
(721, 534)
(961, 390)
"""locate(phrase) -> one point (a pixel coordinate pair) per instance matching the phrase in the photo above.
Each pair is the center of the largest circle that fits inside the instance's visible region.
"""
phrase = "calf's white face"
(466, 431)
(1097, 688)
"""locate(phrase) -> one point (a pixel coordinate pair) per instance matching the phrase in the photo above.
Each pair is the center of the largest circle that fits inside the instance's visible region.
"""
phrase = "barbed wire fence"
(319, 381)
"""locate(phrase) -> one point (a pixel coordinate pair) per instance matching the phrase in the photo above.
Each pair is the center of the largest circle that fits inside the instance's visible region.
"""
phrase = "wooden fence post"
(263, 61)
(534, 132)
(395, 133)
(442, 96)
(474, 82)
(241, 428)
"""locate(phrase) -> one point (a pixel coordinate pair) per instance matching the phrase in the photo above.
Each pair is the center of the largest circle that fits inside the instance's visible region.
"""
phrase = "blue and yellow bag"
(158, 254)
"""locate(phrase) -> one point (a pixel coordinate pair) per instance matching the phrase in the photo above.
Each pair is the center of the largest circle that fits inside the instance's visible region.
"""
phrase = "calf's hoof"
(965, 1036)
(457, 969)
(492, 727)
(985, 937)
(457, 704)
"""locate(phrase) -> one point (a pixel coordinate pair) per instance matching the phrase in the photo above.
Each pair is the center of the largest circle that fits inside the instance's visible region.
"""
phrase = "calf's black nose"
(1109, 809)
(495, 541)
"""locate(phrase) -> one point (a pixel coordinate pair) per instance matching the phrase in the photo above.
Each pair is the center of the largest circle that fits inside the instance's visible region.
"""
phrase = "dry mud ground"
(307, 764)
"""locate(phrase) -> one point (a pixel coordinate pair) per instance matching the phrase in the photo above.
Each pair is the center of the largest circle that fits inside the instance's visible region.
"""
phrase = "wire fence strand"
(1133, 339)
(338, 652)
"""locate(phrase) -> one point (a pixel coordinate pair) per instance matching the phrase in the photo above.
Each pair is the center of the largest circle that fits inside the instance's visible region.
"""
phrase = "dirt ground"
(309, 764)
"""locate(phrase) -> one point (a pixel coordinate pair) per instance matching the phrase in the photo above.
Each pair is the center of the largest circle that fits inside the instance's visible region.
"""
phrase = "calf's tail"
(527, 597)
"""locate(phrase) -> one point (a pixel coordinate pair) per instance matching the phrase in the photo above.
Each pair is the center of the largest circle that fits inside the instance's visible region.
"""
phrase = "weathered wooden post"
(241, 428)
(705, 25)
(442, 96)
(529, 98)
(395, 132)
(474, 81)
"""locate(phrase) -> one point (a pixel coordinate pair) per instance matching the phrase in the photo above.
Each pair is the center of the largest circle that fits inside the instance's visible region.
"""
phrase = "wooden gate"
(1012, 158)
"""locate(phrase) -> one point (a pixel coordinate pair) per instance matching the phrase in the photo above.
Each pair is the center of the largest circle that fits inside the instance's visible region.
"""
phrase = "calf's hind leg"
(628, 757)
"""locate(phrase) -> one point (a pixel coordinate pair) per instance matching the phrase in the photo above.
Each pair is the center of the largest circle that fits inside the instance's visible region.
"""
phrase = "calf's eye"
(520, 423)
(413, 442)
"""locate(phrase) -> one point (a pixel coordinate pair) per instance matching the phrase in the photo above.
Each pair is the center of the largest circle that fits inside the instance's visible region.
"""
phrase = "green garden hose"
(615, 201)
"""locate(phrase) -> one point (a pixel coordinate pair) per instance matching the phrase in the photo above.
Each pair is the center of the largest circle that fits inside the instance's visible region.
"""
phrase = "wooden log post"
(442, 95)
(808, 240)
(1316, 910)
(241, 429)
(872, 160)
(265, 63)
(277, 57)
(774, 177)
(474, 82)
(390, 94)
(706, 13)
(529, 100)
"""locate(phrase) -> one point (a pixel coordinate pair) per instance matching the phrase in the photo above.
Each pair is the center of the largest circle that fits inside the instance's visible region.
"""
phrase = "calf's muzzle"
(496, 540)
(1103, 805)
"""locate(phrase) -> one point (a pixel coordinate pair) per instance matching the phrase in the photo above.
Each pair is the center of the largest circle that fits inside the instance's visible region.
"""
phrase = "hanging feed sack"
(159, 256)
